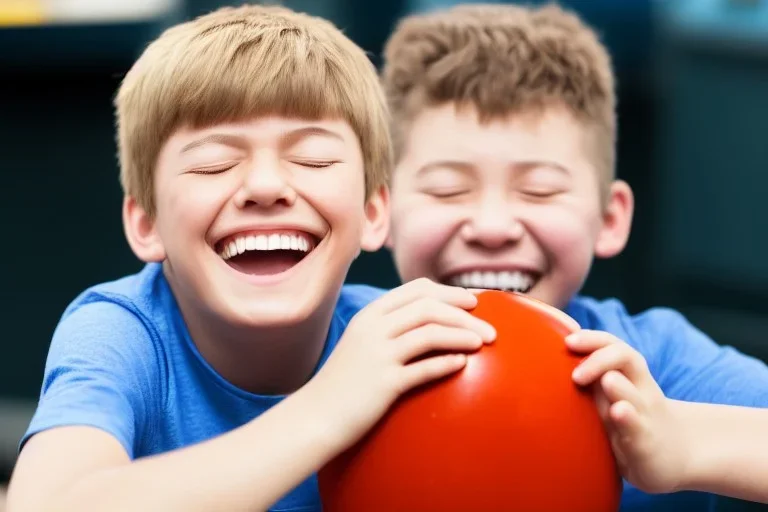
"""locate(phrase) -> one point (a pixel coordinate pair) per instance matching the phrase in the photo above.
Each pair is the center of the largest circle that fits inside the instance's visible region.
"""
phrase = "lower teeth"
(492, 285)
(519, 290)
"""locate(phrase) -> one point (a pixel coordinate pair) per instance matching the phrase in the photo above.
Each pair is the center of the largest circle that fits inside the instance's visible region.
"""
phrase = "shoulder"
(611, 315)
(106, 364)
(660, 334)
(98, 328)
(355, 297)
(111, 325)
(140, 299)
(683, 359)
(138, 292)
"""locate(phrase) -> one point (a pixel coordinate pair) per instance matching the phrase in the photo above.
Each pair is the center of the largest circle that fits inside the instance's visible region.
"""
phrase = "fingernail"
(572, 339)
(577, 374)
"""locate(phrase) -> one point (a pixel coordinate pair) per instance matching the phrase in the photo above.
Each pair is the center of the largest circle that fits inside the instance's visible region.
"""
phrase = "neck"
(269, 361)
(264, 361)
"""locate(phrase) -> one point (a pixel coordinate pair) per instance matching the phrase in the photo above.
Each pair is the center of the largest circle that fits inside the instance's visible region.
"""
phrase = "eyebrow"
(464, 167)
(526, 166)
(289, 138)
(455, 165)
(217, 138)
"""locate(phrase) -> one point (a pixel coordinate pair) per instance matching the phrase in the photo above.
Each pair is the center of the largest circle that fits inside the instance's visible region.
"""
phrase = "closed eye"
(209, 170)
(315, 164)
(446, 193)
(541, 192)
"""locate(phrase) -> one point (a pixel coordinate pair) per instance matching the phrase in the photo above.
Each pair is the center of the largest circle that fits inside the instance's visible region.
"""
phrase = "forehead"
(448, 133)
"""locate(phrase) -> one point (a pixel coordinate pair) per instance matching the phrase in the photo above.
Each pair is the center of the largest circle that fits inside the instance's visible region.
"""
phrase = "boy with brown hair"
(505, 132)
(254, 152)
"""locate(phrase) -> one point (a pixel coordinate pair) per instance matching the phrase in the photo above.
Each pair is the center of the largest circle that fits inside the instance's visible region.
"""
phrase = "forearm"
(729, 449)
(247, 469)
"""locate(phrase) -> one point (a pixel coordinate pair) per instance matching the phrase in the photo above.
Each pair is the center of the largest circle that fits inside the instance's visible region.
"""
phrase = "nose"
(265, 184)
(493, 224)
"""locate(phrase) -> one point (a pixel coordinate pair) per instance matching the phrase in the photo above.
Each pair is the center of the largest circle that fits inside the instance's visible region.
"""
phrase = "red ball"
(511, 431)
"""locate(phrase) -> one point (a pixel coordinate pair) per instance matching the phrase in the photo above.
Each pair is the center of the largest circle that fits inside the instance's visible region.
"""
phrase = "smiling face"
(510, 204)
(258, 222)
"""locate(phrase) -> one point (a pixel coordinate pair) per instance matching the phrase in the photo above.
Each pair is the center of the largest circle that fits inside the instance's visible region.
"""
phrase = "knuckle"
(423, 341)
(422, 284)
(394, 382)
(408, 378)
(636, 359)
(432, 332)
(609, 378)
(618, 353)
(425, 307)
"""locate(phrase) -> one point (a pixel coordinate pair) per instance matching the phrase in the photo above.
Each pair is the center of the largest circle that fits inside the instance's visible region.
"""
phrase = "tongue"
(262, 263)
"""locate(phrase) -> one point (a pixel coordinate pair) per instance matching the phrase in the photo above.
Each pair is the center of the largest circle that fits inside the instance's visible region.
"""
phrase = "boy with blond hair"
(505, 133)
(254, 152)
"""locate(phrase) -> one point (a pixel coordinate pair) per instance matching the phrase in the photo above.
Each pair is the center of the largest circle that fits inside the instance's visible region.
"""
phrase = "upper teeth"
(517, 281)
(271, 242)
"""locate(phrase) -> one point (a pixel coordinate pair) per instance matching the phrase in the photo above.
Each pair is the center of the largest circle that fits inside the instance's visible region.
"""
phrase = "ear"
(376, 226)
(617, 221)
(388, 242)
(141, 233)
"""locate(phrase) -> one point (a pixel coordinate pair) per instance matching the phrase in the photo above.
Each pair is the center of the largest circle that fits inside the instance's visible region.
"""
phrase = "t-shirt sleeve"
(99, 373)
(689, 365)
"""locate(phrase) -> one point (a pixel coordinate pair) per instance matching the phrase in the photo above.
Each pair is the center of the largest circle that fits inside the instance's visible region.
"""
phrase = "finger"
(412, 291)
(601, 402)
(617, 387)
(627, 423)
(430, 369)
(586, 341)
(431, 311)
(617, 356)
(434, 337)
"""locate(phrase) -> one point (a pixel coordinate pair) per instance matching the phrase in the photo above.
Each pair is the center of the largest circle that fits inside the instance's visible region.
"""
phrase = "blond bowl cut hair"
(240, 63)
(502, 60)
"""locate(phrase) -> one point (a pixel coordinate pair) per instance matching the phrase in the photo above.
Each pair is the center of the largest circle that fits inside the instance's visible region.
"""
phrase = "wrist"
(318, 420)
(685, 439)
(700, 445)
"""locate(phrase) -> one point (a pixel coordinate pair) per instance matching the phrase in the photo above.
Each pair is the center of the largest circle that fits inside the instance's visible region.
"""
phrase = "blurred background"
(693, 107)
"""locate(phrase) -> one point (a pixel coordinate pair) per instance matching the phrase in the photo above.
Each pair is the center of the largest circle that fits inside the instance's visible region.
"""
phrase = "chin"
(553, 299)
(272, 312)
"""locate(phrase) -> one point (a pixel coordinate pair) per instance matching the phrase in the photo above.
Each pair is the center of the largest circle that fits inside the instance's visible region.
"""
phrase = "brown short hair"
(238, 63)
(502, 59)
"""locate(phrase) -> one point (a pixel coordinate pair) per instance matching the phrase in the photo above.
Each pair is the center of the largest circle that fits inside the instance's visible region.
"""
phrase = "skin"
(521, 194)
(514, 194)
(264, 334)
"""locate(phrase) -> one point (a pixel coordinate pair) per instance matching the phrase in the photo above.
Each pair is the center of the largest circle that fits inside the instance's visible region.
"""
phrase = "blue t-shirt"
(122, 360)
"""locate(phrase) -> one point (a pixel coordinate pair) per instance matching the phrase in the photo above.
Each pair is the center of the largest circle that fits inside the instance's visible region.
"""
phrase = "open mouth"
(510, 281)
(266, 253)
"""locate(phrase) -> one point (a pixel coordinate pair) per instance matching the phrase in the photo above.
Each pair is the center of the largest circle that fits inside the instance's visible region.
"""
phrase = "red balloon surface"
(511, 431)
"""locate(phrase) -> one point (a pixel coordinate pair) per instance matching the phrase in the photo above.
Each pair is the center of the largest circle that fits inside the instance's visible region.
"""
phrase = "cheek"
(420, 233)
(337, 199)
(191, 208)
(566, 232)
